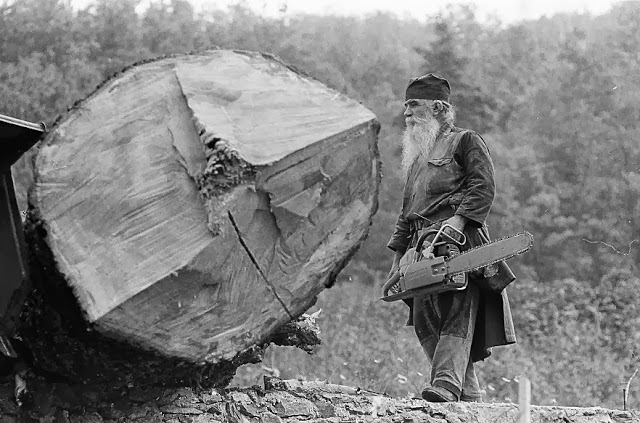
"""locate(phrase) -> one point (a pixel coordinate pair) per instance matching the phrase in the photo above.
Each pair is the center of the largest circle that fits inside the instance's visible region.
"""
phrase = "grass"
(365, 344)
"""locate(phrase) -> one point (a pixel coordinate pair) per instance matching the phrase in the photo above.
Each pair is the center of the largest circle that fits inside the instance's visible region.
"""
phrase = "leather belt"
(421, 222)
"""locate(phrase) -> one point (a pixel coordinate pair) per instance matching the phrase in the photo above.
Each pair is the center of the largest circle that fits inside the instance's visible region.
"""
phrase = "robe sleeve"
(478, 185)
(400, 238)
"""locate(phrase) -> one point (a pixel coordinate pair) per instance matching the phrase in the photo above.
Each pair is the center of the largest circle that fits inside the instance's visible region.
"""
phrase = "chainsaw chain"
(523, 250)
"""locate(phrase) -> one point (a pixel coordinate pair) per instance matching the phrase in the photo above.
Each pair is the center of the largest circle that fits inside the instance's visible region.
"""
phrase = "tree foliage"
(557, 99)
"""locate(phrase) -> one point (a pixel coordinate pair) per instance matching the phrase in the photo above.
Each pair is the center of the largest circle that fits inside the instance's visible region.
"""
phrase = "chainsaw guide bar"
(433, 274)
(491, 253)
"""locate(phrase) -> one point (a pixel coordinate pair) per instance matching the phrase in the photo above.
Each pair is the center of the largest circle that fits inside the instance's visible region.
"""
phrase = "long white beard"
(418, 140)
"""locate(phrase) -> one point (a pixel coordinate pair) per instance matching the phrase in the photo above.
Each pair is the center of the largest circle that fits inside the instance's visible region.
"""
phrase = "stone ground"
(279, 401)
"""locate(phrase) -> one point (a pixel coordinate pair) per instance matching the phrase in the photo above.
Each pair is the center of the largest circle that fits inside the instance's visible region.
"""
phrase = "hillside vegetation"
(557, 100)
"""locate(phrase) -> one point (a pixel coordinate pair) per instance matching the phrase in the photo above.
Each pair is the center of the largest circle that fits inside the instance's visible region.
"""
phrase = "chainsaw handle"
(423, 238)
(439, 233)
(392, 281)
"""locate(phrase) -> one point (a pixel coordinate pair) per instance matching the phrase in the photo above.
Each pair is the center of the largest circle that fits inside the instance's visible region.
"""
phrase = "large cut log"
(195, 203)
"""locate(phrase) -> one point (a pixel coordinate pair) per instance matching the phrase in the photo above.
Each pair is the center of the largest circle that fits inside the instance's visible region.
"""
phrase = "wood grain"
(136, 184)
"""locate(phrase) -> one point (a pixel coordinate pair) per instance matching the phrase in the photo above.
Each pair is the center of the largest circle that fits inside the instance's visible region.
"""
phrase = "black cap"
(428, 87)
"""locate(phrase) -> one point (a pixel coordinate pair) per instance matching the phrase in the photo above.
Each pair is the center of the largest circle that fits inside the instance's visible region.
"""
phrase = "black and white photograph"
(319, 211)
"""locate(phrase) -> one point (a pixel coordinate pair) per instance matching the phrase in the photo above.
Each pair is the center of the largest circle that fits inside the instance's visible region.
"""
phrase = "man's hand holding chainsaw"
(457, 221)
(395, 265)
(394, 269)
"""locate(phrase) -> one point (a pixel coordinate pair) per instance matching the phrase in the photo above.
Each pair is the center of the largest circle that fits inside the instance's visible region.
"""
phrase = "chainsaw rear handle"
(438, 233)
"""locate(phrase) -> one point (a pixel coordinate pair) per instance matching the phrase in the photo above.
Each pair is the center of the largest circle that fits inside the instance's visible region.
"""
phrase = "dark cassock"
(455, 328)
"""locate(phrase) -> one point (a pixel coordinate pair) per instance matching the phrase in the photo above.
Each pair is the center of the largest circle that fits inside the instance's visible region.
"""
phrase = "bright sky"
(508, 11)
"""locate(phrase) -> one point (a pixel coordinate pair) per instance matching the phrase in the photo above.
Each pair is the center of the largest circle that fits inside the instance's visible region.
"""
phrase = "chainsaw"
(436, 265)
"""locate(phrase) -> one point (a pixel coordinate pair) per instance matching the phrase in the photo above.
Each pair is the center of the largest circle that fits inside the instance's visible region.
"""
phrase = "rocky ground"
(279, 401)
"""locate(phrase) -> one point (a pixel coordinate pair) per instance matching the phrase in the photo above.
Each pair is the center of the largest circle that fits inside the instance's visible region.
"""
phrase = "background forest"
(557, 100)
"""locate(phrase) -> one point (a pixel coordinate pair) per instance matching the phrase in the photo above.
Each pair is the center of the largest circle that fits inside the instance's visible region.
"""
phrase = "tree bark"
(186, 210)
(279, 401)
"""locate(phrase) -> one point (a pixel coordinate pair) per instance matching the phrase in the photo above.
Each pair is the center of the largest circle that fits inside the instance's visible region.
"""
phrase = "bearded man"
(450, 179)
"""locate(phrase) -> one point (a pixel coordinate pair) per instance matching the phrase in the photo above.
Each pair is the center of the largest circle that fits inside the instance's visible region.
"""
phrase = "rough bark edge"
(279, 401)
(225, 171)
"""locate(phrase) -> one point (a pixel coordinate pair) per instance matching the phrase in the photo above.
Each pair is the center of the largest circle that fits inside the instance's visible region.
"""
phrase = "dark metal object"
(16, 137)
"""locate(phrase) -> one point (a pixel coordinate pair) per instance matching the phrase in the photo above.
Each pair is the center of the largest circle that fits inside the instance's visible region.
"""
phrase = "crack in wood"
(257, 266)
(180, 158)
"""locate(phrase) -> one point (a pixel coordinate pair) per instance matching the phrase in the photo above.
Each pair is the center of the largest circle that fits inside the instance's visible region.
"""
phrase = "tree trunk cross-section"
(195, 203)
